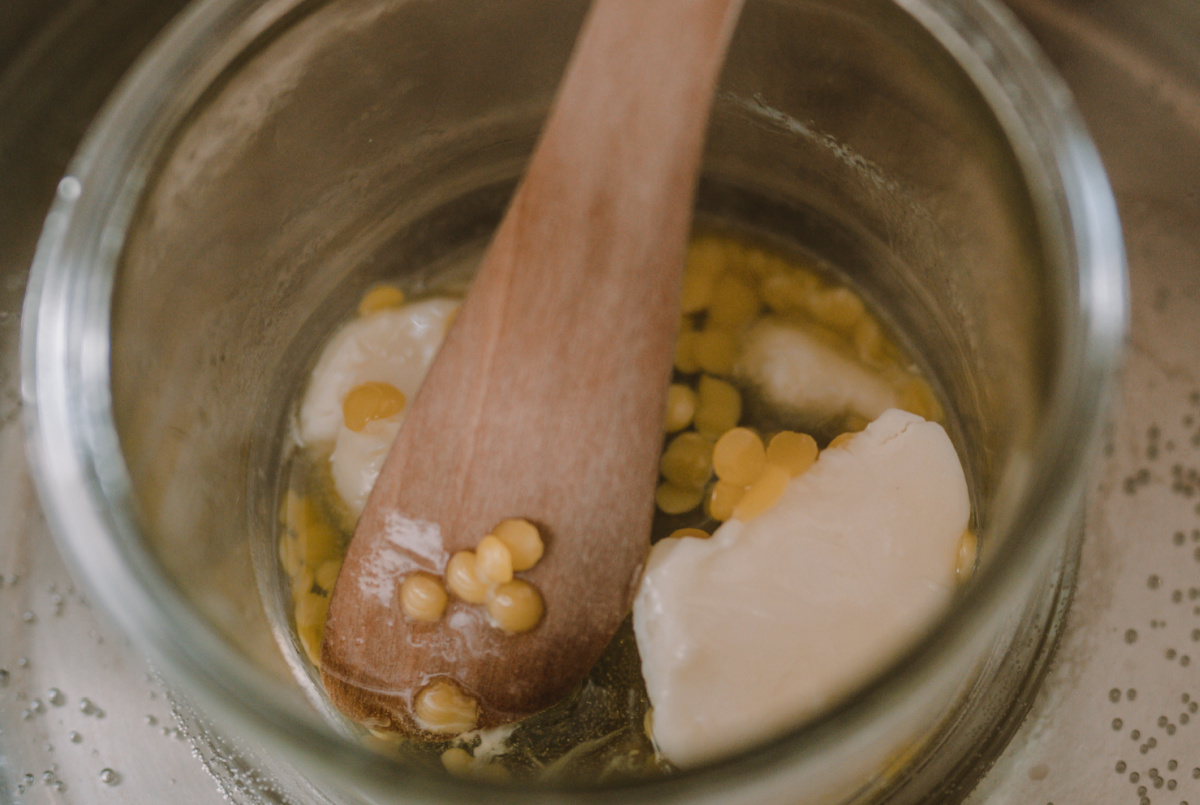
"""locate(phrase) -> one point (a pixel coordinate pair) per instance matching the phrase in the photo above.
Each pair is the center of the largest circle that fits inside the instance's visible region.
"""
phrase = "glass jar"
(268, 161)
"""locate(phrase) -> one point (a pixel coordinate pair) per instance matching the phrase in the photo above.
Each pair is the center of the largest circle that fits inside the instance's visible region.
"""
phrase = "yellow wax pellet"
(462, 579)
(316, 540)
(869, 342)
(327, 573)
(302, 582)
(310, 640)
(687, 461)
(716, 351)
(762, 494)
(523, 541)
(695, 533)
(516, 606)
(968, 548)
(739, 457)
(787, 291)
(457, 760)
(837, 308)
(289, 553)
(370, 401)
(493, 561)
(381, 297)
(840, 440)
(697, 291)
(423, 598)
(444, 708)
(685, 351)
(718, 407)
(734, 304)
(672, 499)
(795, 452)
(311, 609)
(918, 398)
(681, 407)
(723, 498)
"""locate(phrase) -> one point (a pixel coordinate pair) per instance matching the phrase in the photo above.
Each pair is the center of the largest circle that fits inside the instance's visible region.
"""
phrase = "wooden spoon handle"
(565, 340)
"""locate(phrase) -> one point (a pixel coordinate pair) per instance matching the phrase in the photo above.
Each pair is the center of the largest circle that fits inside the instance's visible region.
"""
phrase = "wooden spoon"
(547, 399)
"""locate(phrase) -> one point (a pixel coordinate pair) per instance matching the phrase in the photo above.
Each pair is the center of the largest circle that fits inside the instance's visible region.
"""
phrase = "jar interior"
(362, 140)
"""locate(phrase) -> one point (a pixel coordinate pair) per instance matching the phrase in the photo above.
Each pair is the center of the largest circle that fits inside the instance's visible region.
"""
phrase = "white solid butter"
(393, 346)
(767, 622)
(796, 370)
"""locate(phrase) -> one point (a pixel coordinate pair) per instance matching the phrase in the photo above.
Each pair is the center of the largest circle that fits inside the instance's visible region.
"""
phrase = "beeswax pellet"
(685, 351)
(371, 401)
(328, 572)
(681, 407)
(687, 461)
(967, 550)
(840, 440)
(443, 708)
(718, 407)
(493, 561)
(739, 457)
(734, 304)
(516, 606)
(762, 494)
(381, 297)
(462, 579)
(787, 291)
(523, 541)
(695, 533)
(716, 351)
(723, 498)
(457, 760)
(795, 452)
(423, 598)
(837, 308)
(672, 499)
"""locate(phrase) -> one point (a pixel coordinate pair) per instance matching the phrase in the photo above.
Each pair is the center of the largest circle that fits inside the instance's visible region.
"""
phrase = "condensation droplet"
(28, 616)
(74, 737)
(86, 707)
(55, 697)
(1131, 694)
(151, 721)
(109, 777)
(1153, 582)
(69, 188)
(1131, 636)
(37, 706)
(1121, 767)
(3, 678)
(1114, 695)
(1117, 724)
(1170, 654)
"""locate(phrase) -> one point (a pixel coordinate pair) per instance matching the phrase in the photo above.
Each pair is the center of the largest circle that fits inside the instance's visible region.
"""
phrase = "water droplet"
(1170, 654)
(74, 737)
(1162, 722)
(22, 662)
(1193, 706)
(1131, 694)
(26, 714)
(1134, 776)
(3, 678)
(1141, 790)
(1170, 729)
(1114, 695)
(109, 777)
(1121, 767)
(1117, 724)
(28, 616)
(1184, 718)
(1152, 742)
(86, 707)
(1131, 636)
(1135, 734)
(1153, 582)
(69, 188)
(28, 778)
(55, 697)
(1171, 785)
(37, 706)
(151, 720)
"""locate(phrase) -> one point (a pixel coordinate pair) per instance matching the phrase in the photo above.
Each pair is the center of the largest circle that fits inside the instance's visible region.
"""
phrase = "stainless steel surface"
(1134, 69)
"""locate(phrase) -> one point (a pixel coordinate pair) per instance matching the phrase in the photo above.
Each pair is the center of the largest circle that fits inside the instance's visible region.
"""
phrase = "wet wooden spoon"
(546, 401)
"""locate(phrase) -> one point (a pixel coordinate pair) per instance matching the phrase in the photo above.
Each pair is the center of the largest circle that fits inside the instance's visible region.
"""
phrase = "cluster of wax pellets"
(484, 576)
(728, 285)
